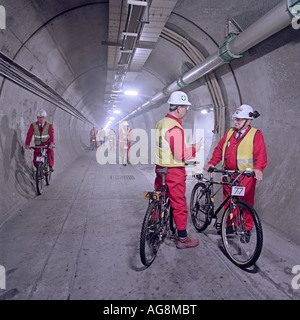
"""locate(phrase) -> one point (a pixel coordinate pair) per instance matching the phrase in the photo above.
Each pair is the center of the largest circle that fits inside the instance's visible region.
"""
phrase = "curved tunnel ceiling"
(71, 31)
(76, 31)
(67, 53)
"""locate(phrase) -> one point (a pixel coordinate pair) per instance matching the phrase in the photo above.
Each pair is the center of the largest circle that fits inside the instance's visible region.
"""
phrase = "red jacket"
(176, 136)
(31, 130)
(259, 151)
(126, 135)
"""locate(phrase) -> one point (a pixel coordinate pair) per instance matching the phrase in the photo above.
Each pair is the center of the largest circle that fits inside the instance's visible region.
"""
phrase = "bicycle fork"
(232, 218)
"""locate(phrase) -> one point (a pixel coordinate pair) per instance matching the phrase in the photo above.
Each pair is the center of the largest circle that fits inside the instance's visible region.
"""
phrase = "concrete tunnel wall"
(266, 78)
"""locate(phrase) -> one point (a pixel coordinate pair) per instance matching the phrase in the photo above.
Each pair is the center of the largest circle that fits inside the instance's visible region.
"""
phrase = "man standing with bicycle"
(171, 152)
(43, 134)
(242, 147)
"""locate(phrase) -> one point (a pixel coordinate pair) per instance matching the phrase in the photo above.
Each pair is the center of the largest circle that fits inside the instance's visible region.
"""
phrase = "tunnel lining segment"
(22, 77)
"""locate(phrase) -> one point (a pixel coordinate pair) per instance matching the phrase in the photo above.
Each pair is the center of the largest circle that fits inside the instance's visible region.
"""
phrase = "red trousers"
(249, 183)
(175, 181)
(123, 144)
(50, 153)
(91, 140)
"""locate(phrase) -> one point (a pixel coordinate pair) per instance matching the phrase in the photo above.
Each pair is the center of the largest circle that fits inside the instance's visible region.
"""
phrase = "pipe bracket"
(224, 52)
(165, 91)
(181, 83)
(294, 7)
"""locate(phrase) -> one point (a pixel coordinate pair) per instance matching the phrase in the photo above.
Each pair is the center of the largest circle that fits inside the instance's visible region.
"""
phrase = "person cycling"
(43, 134)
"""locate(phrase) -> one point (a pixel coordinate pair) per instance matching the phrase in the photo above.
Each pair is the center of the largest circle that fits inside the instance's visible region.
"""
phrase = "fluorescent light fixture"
(131, 93)
(111, 118)
(116, 111)
(204, 111)
(137, 3)
(130, 34)
(107, 125)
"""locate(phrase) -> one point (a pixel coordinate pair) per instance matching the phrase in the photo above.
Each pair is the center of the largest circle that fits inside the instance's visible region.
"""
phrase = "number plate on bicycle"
(39, 159)
(151, 195)
(238, 191)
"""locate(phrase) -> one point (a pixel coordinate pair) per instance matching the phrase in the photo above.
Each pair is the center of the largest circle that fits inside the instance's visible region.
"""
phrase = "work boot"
(186, 242)
(245, 238)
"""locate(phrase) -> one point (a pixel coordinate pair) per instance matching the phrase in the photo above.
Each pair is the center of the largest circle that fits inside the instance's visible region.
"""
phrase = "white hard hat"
(179, 98)
(244, 112)
(41, 113)
(125, 123)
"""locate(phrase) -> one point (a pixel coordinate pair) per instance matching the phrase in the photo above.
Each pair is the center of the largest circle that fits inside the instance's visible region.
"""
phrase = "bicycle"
(243, 245)
(158, 222)
(43, 172)
(93, 143)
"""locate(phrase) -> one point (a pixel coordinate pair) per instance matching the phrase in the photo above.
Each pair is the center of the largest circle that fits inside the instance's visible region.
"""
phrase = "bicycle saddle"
(162, 171)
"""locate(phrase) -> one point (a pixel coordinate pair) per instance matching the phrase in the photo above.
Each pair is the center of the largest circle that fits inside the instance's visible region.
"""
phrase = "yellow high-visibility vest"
(244, 157)
(163, 154)
(41, 137)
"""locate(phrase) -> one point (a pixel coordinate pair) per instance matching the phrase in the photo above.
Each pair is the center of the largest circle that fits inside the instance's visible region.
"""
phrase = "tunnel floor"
(79, 240)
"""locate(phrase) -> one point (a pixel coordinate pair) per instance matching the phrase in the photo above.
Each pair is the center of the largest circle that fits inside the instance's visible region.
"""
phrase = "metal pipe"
(275, 20)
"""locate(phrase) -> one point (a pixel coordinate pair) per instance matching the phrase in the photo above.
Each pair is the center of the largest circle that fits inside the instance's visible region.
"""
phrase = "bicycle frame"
(42, 170)
(210, 188)
(161, 196)
(240, 227)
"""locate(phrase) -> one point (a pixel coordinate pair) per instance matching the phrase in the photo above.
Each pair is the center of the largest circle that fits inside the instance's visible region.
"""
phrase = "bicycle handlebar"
(192, 163)
(232, 172)
(44, 147)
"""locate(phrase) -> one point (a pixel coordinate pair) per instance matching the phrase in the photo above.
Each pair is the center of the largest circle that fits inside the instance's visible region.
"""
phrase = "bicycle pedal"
(173, 238)
(218, 225)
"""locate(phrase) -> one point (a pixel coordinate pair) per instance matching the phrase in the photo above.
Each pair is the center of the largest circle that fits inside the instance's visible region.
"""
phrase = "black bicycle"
(158, 222)
(43, 172)
(240, 226)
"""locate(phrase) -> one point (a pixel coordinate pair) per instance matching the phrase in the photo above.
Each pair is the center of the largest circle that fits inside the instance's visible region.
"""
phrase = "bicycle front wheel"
(199, 209)
(39, 179)
(47, 175)
(150, 234)
(242, 234)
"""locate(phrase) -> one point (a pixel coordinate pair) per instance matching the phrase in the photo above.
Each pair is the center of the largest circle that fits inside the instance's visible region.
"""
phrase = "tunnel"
(91, 63)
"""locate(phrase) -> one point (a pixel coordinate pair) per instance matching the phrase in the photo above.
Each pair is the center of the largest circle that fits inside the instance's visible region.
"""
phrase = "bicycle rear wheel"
(150, 234)
(39, 179)
(199, 209)
(242, 234)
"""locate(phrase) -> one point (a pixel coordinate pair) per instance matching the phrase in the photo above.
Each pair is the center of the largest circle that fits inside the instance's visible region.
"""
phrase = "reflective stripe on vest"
(38, 137)
(244, 155)
(163, 154)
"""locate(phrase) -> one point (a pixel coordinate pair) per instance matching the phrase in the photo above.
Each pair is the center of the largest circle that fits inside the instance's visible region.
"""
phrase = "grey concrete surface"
(80, 240)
